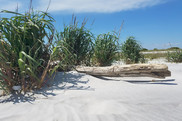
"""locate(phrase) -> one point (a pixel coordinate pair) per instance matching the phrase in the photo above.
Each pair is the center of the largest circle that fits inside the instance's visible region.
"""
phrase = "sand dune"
(79, 97)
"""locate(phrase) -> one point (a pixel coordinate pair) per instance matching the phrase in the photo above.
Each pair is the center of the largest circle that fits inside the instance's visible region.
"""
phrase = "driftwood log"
(133, 70)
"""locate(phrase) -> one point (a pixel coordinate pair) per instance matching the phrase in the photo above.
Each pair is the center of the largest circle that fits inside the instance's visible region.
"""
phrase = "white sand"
(87, 98)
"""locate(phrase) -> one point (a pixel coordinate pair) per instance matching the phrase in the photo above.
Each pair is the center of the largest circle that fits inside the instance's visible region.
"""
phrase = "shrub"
(155, 49)
(173, 48)
(78, 43)
(175, 56)
(24, 55)
(105, 49)
(131, 51)
(144, 49)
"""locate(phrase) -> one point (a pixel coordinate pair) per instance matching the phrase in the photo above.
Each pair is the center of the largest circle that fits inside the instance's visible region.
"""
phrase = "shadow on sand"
(62, 81)
(160, 82)
(152, 81)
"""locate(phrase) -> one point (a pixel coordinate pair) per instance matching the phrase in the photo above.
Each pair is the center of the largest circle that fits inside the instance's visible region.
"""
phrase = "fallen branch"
(133, 70)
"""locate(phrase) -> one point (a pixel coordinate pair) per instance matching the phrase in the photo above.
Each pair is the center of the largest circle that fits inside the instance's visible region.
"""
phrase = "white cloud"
(99, 6)
(81, 6)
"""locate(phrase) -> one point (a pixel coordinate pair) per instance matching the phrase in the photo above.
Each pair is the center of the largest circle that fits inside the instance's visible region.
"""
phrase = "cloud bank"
(82, 6)
(98, 6)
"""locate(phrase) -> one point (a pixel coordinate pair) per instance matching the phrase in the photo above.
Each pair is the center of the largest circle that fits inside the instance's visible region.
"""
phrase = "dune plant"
(131, 51)
(173, 48)
(105, 49)
(25, 56)
(175, 56)
(76, 42)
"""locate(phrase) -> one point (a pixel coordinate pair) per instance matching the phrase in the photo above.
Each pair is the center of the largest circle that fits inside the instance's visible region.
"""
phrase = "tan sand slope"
(86, 98)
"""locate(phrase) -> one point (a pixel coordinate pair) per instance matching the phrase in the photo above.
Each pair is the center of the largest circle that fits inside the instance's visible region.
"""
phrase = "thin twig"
(120, 29)
(48, 6)
(30, 7)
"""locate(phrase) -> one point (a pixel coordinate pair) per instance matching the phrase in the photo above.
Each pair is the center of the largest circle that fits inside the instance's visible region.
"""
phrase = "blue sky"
(154, 23)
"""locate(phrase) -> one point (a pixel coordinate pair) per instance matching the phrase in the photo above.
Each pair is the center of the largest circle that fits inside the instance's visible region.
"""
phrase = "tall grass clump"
(131, 51)
(105, 49)
(76, 43)
(175, 56)
(25, 56)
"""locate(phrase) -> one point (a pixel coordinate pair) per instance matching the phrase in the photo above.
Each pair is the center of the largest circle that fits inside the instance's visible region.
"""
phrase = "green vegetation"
(155, 49)
(78, 43)
(161, 53)
(174, 56)
(144, 49)
(155, 55)
(24, 55)
(173, 48)
(158, 50)
(131, 51)
(105, 49)
(29, 46)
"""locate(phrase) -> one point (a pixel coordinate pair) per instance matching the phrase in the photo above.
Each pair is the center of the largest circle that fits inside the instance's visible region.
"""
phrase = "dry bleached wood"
(133, 70)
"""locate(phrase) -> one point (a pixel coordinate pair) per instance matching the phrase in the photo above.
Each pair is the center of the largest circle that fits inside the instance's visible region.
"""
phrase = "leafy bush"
(131, 51)
(76, 43)
(105, 49)
(175, 56)
(24, 55)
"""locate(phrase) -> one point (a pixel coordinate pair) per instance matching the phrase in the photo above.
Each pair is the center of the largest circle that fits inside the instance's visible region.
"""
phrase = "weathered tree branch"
(133, 70)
